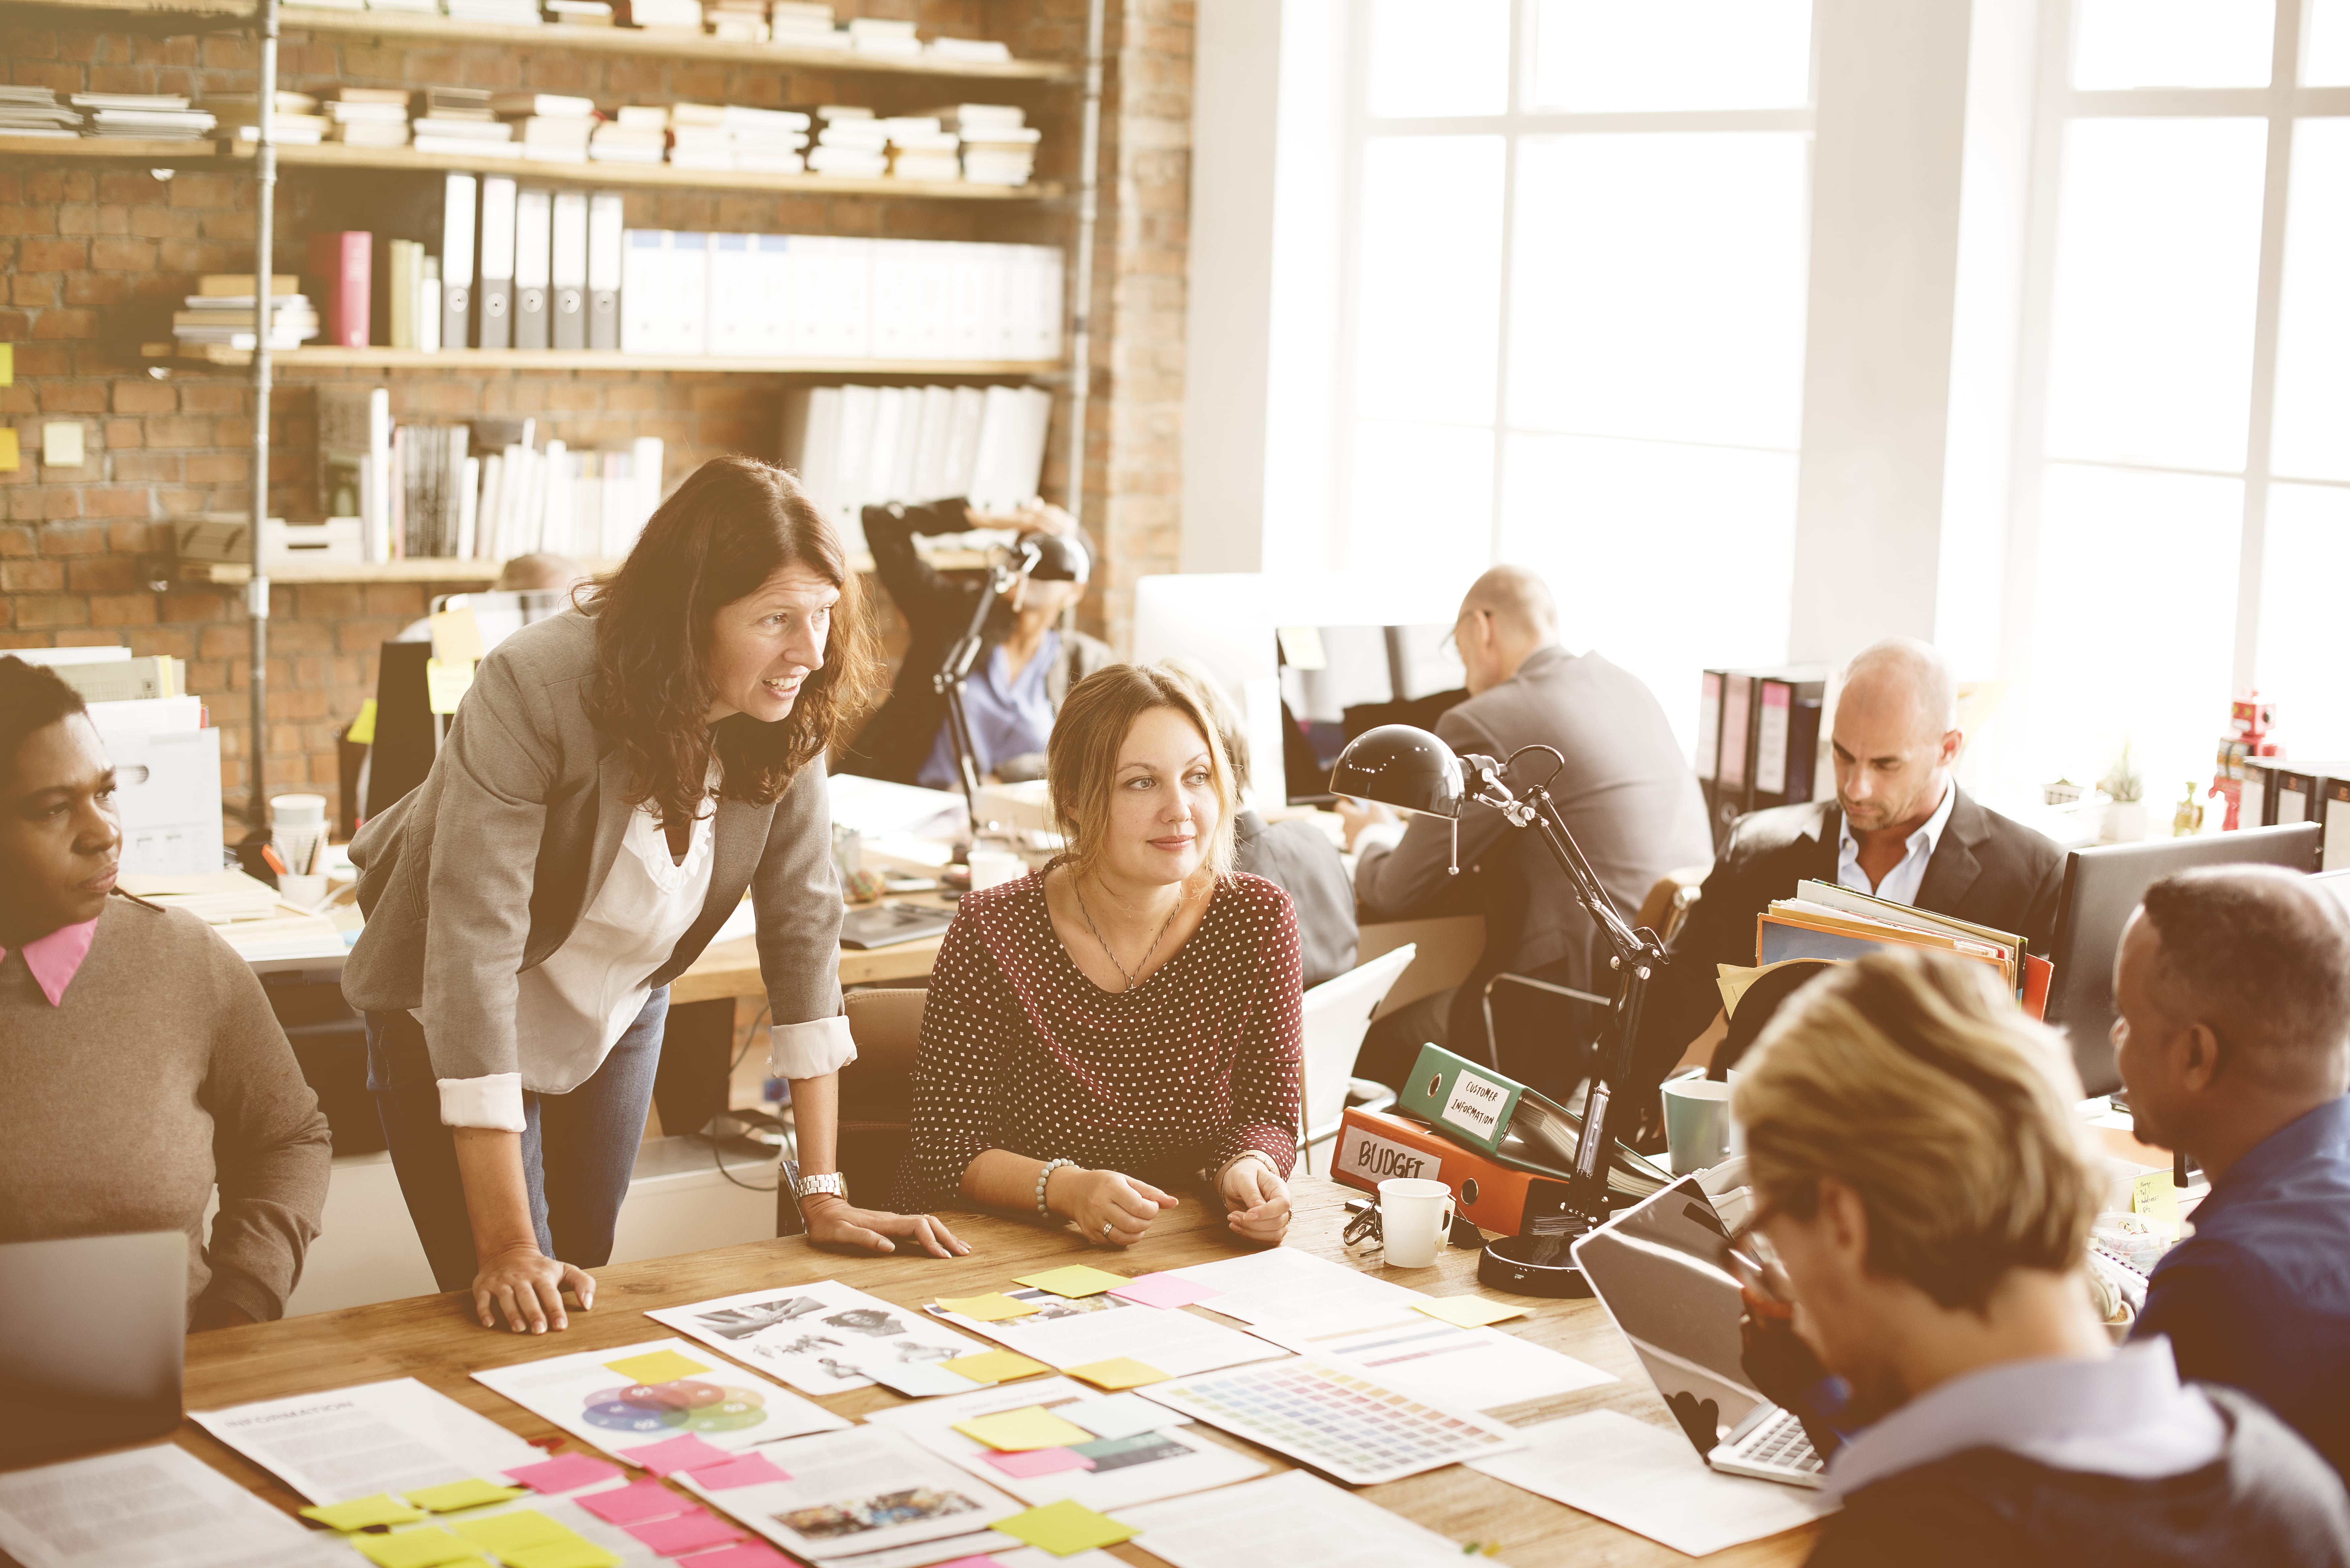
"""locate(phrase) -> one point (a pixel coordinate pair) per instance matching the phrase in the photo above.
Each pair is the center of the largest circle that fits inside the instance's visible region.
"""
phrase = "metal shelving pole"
(256, 591)
(1081, 287)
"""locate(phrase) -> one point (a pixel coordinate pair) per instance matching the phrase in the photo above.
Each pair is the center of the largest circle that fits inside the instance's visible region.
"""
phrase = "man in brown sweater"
(140, 1060)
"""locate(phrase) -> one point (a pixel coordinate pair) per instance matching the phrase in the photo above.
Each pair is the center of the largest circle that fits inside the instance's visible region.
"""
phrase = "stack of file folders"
(147, 117)
(1823, 920)
(35, 111)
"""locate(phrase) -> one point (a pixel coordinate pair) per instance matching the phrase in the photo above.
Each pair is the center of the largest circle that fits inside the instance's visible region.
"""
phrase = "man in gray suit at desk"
(1628, 795)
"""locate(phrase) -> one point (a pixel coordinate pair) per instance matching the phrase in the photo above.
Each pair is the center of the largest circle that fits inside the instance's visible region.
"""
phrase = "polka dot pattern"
(1021, 1051)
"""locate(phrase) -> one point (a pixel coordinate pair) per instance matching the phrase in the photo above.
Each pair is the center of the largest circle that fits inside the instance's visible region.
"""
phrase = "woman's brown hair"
(716, 539)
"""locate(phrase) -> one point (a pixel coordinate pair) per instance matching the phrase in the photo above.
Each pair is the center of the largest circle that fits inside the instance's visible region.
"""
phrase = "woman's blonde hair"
(1910, 1078)
(1081, 759)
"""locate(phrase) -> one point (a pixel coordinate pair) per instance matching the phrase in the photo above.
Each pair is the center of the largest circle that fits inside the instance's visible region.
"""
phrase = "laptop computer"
(1662, 1270)
(91, 1329)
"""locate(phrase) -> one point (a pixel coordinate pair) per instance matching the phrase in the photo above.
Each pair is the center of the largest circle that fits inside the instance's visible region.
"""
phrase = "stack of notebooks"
(550, 128)
(744, 21)
(999, 147)
(636, 134)
(920, 149)
(804, 25)
(148, 117)
(732, 136)
(296, 121)
(1823, 920)
(368, 117)
(459, 121)
(35, 111)
(580, 13)
(849, 142)
(513, 13)
(674, 16)
(220, 313)
(969, 51)
(889, 38)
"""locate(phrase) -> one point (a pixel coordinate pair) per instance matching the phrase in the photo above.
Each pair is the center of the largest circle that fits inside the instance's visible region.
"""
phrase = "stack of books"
(998, 147)
(295, 120)
(552, 127)
(513, 13)
(421, 7)
(675, 16)
(735, 136)
(220, 313)
(580, 13)
(636, 134)
(368, 117)
(148, 116)
(884, 36)
(35, 111)
(803, 24)
(849, 142)
(459, 121)
(745, 20)
(411, 296)
(965, 51)
(920, 149)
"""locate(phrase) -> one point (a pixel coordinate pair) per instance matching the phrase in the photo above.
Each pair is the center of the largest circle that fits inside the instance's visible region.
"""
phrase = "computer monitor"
(1338, 681)
(2102, 887)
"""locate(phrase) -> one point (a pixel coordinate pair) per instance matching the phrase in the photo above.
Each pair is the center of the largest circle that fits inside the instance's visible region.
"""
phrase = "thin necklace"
(1074, 881)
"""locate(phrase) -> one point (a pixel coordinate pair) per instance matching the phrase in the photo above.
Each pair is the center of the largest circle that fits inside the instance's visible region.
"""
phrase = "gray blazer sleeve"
(795, 894)
(498, 764)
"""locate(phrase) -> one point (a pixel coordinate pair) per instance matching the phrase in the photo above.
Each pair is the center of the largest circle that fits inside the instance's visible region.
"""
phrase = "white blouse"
(571, 1010)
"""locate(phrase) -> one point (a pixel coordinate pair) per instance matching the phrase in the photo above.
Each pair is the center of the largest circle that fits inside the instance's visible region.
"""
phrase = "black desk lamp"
(1413, 771)
(1039, 557)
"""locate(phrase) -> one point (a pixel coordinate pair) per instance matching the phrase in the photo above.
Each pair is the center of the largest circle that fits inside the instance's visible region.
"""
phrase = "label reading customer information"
(1476, 1104)
(1376, 1159)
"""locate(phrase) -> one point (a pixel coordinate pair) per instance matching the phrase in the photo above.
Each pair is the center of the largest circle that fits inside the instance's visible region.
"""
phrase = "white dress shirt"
(1901, 883)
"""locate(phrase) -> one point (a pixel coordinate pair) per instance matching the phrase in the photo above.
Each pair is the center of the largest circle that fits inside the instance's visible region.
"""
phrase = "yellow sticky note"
(362, 1512)
(657, 1366)
(9, 461)
(362, 730)
(1075, 1280)
(1065, 1528)
(453, 1495)
(1015, 1431)
(7, 364)
(994, 1366)
(2154, 1198)
(414, 1549)
(1468, 1312)
(991, 1308)
(1119, 1371)
(445, 685)
(456, 636)
(505, 1533)
(577, 1553)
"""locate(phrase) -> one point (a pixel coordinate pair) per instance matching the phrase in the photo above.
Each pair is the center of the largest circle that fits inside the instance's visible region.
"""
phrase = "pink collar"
(57, 958)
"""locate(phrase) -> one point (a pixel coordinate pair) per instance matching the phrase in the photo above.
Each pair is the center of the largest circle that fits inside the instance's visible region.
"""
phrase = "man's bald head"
(1506, 614)
(1895, 734)
(1903, 674)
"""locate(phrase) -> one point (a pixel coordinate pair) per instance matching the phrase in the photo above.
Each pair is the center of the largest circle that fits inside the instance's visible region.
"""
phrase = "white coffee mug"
(1415, 1216)
(1697, 1123)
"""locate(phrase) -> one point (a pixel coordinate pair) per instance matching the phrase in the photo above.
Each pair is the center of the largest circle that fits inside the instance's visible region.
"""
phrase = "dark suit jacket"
(1299, 859)
(1986, 868)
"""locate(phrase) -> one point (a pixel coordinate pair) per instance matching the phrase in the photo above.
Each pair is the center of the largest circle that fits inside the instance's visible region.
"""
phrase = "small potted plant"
(2125, 797)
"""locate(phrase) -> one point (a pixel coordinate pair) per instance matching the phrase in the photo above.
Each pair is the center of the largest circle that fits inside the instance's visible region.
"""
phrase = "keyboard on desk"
(1771, 1446)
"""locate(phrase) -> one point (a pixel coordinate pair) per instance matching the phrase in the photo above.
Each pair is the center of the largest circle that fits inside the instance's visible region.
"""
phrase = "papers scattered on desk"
(723, 1406)
(1648, 1480)
(861, 1491)
(1066, 1332)
(161, 1507)
(1331, 1417)
(1289, 1521)
(1478, 1368)
(1147, 1461)
(877, 809)
(375, 1437)
(214, 897)
(534, 1533)
(1298, 1291)
(818, 1337)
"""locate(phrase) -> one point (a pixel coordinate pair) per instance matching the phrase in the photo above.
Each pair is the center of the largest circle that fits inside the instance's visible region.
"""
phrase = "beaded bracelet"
(1045, 1175)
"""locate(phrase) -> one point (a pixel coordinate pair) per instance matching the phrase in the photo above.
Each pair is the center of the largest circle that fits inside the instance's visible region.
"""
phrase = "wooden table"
(433, 1339)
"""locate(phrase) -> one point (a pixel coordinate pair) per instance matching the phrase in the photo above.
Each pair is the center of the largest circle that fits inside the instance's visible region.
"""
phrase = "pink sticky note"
(1038, 1461)
(755, 1554)
(632, 1504)
(686, 1533)
(568, 1473)
(1163, 1290)
(686, 1453)
(966, 1563)
(749, 1470)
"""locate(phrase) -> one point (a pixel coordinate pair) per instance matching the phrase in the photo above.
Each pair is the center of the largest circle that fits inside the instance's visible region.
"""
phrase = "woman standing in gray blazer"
(613, 782)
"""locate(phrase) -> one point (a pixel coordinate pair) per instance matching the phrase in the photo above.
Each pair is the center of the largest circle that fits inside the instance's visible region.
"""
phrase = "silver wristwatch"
(831, 1181)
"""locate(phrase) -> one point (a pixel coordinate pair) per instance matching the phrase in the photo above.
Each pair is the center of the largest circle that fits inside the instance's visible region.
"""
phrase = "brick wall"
(96, 256)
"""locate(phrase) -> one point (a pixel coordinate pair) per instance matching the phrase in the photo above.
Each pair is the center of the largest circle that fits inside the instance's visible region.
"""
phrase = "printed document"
(1289, 1521)
(376, 1436)
(1299, 1292)
(633, 1395)
(815, 1337)
(864, 1489)
(1066, 1331)
(158, 1507)
(1477, 1368)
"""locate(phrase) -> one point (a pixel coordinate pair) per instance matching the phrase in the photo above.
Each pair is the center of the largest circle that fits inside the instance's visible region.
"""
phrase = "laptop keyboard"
(1780, 1443)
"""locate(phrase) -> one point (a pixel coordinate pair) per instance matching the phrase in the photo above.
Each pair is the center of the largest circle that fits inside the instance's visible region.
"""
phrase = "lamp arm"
(954, 671)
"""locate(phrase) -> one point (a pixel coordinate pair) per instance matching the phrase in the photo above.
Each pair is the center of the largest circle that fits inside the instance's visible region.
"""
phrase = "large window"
(2184, 523)
(1576, 325)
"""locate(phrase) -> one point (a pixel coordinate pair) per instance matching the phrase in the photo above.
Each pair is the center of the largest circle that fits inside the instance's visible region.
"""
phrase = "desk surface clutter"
(1035, 1403)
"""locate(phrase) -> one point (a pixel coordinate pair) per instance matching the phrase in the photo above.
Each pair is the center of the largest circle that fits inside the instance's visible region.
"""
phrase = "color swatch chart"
(1334, 1420)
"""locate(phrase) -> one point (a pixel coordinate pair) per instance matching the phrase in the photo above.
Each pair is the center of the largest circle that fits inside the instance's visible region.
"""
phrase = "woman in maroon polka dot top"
(1125, 1022)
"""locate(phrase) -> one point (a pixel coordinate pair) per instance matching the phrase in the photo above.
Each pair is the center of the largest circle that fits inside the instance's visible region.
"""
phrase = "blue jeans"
(577, 1148)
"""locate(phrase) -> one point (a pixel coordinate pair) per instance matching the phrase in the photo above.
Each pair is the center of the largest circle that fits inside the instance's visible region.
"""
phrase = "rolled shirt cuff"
(817, 1049)
(492, 1101)
(1379, 836)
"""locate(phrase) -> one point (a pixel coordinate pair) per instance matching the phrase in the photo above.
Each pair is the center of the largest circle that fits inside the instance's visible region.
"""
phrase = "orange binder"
(1374, 1146)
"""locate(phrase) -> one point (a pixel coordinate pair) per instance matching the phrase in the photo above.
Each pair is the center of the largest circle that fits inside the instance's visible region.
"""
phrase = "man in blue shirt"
(2233, 990)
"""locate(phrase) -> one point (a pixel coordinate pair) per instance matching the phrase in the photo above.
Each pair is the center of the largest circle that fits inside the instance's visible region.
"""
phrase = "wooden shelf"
(233, 575)
(112, 147)
(665, 43)
(337, 155)
(214, 356)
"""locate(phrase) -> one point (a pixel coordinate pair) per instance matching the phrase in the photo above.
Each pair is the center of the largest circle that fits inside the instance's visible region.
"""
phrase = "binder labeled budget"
(494, 318)
(533, 261)
(566, 271)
